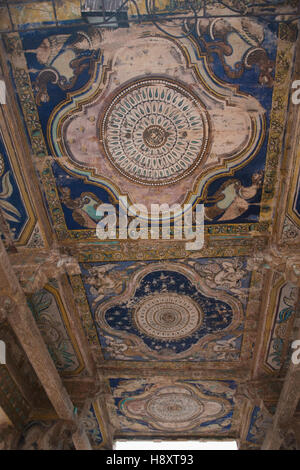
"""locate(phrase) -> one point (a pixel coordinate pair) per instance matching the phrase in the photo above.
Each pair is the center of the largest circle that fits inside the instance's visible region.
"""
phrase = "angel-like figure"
(104, 281)
(64, 60)
(232, 199)
(84, 207)
(224, 274)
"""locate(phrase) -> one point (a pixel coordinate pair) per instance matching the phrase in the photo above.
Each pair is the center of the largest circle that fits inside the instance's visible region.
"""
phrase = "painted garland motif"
(155, 132)
(168, 316)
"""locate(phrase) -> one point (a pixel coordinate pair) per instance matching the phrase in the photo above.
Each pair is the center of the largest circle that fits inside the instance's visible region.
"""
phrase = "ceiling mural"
(149, 338)
(169, 311)
(145, 132)
(291, 227)
(138, 107)
(259, 422)
(91, 423)
(166, 407)
(282, 319)
(116, 128)
(51, 317)
(15, 205)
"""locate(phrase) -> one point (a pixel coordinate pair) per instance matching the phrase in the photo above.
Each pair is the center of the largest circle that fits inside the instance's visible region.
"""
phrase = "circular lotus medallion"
(155, 132)
(174, 407)
(167, 316)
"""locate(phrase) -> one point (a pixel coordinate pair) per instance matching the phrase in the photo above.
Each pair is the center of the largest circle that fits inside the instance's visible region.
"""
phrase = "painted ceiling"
(135, 112)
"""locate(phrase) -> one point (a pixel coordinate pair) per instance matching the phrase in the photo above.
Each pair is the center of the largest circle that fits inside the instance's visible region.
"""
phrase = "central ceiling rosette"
(155, 132)
(168, 316)
(174, 406)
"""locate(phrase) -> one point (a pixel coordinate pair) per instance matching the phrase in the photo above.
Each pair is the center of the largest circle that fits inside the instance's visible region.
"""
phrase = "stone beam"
(34, 270)
(109, 369)
(14, 309)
